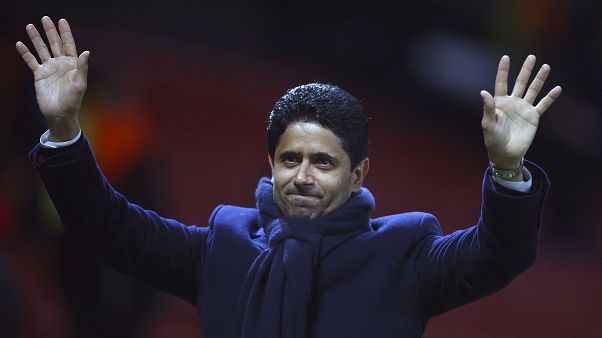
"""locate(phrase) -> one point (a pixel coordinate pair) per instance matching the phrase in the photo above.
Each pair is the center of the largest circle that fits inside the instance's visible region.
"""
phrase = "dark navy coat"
(386, 282)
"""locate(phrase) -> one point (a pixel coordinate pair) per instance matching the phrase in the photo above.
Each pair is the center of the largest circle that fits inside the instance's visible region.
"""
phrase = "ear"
(271, 162)
(359, 173)
(271, 167)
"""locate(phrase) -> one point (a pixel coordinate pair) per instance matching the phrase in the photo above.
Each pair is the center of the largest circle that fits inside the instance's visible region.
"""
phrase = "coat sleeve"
(466, 265)
(159, 251)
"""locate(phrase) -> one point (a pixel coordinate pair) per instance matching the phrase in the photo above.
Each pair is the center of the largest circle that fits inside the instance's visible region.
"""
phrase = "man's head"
(318, 147)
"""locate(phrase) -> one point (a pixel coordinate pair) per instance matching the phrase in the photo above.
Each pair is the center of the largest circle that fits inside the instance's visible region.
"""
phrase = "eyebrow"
(318, 155)
(288, 153)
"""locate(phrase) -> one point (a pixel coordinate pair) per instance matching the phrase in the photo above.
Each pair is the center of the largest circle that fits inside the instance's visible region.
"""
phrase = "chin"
(299, 212)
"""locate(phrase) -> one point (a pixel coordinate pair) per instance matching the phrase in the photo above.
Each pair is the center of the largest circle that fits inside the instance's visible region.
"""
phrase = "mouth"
(301, 200)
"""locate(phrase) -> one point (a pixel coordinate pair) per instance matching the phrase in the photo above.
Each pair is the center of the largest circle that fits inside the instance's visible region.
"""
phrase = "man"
(308, 261)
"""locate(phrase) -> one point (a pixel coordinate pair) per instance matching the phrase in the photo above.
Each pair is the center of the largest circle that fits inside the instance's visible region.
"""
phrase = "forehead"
(308, 137)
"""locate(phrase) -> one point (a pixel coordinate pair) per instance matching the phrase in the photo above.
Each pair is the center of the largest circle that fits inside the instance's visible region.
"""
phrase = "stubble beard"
(291, 211)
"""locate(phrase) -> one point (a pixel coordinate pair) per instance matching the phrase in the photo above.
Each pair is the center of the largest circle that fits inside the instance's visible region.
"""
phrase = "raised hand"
(510, 121)
(60, 79)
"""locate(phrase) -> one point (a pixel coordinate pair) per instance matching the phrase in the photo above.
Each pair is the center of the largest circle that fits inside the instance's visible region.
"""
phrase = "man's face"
(312, 173)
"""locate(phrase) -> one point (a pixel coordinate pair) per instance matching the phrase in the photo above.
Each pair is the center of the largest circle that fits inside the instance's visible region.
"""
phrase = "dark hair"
(328, 106)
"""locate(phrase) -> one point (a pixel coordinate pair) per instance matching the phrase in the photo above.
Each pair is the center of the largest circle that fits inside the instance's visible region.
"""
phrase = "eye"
(325, 164)
(289, 160)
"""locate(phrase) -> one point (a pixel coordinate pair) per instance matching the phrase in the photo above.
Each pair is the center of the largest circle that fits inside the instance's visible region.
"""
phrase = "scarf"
(274, 300)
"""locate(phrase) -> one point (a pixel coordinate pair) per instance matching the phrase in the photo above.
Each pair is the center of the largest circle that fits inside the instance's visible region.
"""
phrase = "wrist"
(506, 164)
(63, 129)
(509, 172)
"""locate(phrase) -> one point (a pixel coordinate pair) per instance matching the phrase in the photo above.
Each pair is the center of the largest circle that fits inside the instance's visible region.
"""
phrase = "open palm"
(510, 121)
(59, 89)
(60, 79)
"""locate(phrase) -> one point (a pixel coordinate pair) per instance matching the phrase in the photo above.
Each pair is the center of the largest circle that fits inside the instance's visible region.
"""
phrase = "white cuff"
(522, 186)
(49, 144)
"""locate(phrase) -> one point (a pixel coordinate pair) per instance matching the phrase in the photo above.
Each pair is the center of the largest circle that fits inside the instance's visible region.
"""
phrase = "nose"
(304, 175)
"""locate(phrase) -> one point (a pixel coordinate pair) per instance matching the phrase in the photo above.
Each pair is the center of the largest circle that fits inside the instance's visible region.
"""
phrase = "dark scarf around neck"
(275, 296)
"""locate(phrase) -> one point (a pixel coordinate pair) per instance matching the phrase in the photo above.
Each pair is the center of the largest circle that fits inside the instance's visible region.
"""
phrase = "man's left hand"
(510, 121)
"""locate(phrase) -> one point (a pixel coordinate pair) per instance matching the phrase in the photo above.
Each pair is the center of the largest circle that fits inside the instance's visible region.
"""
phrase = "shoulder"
(234, 219)
(234, 234)
(231, 213)
(408, 223)
(399, 235)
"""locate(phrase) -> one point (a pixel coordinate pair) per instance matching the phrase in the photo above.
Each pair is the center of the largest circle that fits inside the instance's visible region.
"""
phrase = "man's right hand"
(60, 80)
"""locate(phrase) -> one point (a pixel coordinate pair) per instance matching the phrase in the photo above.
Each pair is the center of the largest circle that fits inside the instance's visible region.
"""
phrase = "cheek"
(337, 184)
(280, 178)
(277, 183)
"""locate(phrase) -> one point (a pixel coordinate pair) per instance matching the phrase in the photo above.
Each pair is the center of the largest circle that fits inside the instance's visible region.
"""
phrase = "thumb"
(82, 69)
(488, 109)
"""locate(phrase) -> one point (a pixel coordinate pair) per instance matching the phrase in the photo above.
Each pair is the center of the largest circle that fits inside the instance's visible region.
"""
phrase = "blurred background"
(176, 110)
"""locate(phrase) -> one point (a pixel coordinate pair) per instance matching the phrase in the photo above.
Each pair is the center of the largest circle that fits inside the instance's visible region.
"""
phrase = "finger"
(67, 38)
(488, 110)
(56, 45)
(488, 103)
(82, 61)
(523, 76)
(38, 43)
(29, 59)
(82, 69)
(537, 83)
(547, 101)
(501, 79)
